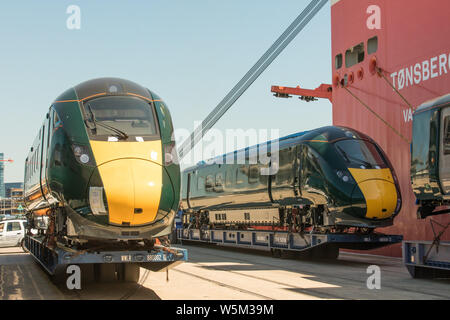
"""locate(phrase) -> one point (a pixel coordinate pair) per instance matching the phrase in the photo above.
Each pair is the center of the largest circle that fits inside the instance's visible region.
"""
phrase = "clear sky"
(191, 53)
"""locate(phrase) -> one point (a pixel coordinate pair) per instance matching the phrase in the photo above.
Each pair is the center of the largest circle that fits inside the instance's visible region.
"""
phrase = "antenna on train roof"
(269, 56)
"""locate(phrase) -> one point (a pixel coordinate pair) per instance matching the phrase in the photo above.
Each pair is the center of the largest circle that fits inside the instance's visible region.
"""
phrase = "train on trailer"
(101, 185)
(324, 189)
(383, 67)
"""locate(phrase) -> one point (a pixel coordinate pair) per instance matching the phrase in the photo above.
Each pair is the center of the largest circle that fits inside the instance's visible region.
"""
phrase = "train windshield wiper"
(119, 133)
(348, 157)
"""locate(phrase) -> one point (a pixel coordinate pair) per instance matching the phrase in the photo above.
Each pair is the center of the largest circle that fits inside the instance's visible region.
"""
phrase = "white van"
(12, 232)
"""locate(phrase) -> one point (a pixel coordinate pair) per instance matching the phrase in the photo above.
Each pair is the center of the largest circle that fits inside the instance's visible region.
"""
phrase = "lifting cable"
(269, 56)
(377, 115)
(380, 72)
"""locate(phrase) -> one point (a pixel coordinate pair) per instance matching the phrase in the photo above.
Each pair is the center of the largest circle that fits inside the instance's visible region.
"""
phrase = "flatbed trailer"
(103, 265)
(427, 259)
(284, 242)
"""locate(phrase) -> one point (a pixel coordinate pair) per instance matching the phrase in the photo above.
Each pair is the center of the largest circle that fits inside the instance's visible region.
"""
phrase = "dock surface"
(226, 274)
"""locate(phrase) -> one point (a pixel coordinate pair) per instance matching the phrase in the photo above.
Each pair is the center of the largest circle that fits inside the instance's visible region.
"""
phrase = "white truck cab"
(12, 232)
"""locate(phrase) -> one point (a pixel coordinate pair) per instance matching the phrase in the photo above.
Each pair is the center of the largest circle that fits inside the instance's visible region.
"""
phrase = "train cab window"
(338, 61)
(446, 138)
(354, 55)
(253, 174)
(56, 121)
(360, 154)
(372, 45)
(119, 115)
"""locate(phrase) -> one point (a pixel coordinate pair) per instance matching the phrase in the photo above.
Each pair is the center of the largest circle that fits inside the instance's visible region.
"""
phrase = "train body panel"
(103, 165)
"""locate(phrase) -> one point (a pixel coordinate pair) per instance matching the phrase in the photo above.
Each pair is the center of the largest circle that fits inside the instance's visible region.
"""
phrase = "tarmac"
(227, 274)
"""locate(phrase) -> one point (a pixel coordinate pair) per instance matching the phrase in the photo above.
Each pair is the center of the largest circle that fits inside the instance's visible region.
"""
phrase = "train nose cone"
(380, 197)
(133, 190)
(379, 192)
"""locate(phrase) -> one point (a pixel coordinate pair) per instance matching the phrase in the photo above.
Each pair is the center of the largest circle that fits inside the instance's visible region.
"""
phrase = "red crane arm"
(324, 91)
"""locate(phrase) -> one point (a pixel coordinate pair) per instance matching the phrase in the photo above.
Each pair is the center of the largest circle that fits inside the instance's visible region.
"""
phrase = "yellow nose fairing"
(378, 188)
(131, 173)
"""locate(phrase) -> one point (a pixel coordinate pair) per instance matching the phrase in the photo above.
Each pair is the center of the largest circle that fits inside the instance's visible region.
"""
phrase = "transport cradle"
(280, 242)
(120, 264)
(425, 259)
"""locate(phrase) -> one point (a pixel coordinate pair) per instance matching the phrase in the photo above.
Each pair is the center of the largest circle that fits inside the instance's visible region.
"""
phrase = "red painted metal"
(414, 54)
(7, 160)
(323, 91)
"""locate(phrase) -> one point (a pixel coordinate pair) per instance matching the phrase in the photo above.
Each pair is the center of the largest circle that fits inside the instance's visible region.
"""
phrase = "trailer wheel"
(87, 273)
(106, 272)
(22, 244)
(328, 252)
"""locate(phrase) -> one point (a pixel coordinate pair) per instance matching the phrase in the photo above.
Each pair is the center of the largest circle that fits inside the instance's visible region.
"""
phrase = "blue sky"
(191, 53)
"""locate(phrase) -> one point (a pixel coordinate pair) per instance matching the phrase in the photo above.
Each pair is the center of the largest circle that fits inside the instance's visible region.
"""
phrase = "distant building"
(2, 178)
(12, 185)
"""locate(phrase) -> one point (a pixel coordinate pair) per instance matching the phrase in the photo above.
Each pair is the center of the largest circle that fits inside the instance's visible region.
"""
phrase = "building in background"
(2, 178)
(12, 185)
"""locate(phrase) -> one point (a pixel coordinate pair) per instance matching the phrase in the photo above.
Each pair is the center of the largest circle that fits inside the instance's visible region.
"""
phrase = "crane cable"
(291, 32)
(377, 115)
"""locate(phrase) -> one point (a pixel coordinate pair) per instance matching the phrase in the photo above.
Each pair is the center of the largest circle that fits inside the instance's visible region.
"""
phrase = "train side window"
(253, 174)
(224, 216)
(372, 45)
(219, 180)
(228, 178)
(200, 183)
(446, 138)
(354, 55)
(247, 215)
(209, 185)
(239, 179)
(338, 61)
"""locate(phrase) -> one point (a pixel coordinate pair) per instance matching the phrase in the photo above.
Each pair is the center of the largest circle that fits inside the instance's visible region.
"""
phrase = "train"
(430, 157)
(328, 180)
(103, 167)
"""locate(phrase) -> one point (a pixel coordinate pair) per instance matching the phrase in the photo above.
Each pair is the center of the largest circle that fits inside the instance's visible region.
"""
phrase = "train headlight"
(170, 154)
(344, 176)
(82, 154)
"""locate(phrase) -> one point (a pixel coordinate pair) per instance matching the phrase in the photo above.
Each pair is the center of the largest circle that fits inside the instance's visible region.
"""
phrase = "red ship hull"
(413, 50)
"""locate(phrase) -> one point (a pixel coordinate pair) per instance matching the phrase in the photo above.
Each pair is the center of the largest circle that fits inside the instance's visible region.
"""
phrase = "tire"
(106, 272)
(22, 244)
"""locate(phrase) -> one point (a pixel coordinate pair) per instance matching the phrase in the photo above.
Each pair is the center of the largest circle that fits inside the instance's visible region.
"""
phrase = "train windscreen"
(120, 116)
(360, 154)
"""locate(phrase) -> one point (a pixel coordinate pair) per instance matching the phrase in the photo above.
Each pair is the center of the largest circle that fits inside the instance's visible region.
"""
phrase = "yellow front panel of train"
(131, 173)
(378, 188)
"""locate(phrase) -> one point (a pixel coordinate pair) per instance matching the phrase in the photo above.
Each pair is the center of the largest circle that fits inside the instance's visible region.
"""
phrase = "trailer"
(281, 243)
(100, 264)
(427, 259)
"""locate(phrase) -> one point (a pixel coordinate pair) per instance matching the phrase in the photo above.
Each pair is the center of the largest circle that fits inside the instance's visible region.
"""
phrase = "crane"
(238, 90)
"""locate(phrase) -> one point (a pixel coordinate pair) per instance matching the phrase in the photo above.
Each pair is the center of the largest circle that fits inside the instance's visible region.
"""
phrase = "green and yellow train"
(332, 179)
(102, 167)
